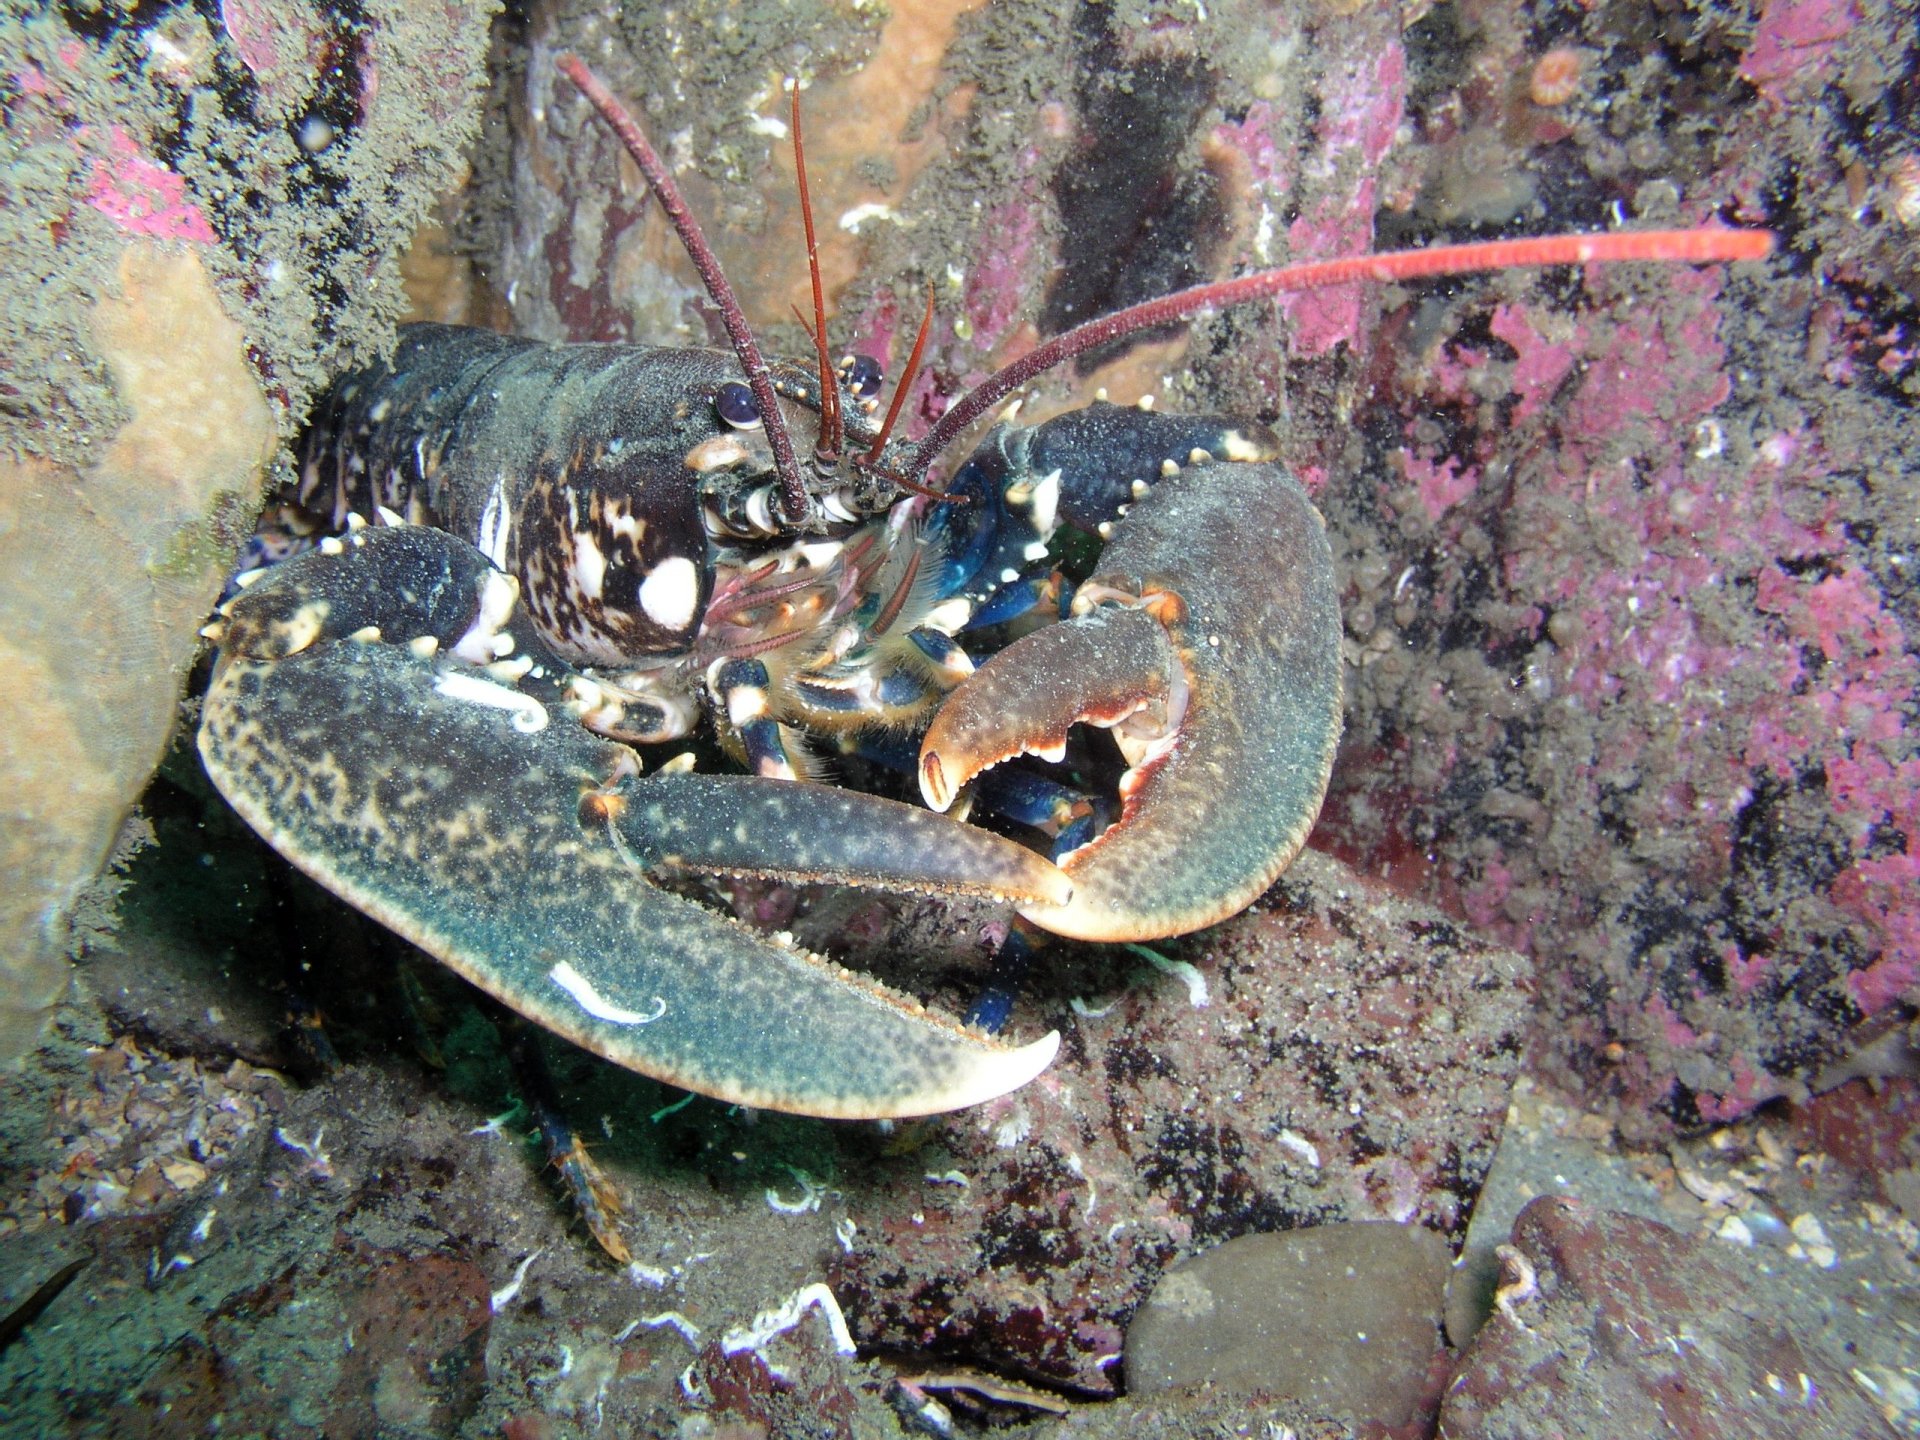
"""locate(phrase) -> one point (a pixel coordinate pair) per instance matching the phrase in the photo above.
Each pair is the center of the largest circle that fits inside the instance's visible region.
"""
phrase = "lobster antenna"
(1698, 246)
(831, 431)
(900, 391)
(793, 490)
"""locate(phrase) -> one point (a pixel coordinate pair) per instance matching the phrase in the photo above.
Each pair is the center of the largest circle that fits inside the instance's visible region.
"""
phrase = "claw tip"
(933, 783)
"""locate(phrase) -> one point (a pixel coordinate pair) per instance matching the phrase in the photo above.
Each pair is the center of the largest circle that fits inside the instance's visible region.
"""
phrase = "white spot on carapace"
(589, 565)
(626, 525)
(596, 1004)
(671, 593)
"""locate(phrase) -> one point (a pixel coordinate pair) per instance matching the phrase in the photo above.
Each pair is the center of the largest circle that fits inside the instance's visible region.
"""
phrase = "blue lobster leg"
(1209, 637)
(478, 821)
(741, 687)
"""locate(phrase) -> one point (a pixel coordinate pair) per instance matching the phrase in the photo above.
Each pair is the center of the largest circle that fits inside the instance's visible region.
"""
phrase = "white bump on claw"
(1238, 447)
(596, 1004)
(529, 715)
(1046, 503)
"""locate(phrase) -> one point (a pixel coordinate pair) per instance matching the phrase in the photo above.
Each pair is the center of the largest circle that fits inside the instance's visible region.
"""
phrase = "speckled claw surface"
(1209, 640)
(516, 847)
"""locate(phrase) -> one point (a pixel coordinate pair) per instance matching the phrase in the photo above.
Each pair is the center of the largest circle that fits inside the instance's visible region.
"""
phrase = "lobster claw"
(475, 819)
(1209, 642)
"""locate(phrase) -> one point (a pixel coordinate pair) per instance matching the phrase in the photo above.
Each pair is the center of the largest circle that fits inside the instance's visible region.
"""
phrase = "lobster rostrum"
(589, 547)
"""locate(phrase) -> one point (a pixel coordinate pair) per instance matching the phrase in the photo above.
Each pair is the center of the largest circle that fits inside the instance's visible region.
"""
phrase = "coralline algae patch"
(143, 197)
(1721, 844)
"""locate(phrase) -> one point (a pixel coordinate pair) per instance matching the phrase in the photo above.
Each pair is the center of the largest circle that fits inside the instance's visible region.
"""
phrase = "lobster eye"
(864, 376)
(733, 403)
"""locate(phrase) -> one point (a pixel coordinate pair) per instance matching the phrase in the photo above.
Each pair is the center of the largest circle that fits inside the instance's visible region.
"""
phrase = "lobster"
(592, 547)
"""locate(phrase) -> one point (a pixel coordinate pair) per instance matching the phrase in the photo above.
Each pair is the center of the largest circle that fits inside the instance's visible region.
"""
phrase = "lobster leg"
(1209, 640)
(465, 814)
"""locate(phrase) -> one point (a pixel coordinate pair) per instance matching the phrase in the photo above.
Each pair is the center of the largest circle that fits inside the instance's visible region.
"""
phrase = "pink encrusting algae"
(1793, 46)
(142, 196)
(1638, 528)
(1355, 131)
(1363, 111)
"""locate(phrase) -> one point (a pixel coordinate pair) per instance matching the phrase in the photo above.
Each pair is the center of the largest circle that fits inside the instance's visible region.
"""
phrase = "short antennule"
(1702, 245)
(907, 377)
(793, 490)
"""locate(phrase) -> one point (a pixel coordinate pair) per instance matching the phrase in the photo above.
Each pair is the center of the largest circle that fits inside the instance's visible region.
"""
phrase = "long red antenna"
(1698, 246)
(793, 490)
(831, 431)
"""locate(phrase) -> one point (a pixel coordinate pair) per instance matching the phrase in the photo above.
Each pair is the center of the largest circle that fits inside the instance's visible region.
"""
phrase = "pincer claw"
(523, 856)
(1209, 640)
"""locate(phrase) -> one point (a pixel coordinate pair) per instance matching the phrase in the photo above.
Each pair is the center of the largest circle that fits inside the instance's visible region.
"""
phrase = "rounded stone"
(1344, 1317)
